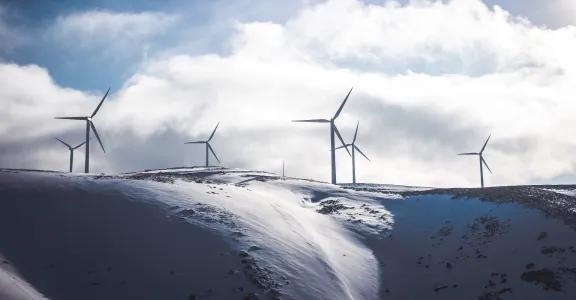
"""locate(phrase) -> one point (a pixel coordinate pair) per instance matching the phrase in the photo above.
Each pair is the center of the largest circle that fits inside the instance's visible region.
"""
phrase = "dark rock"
(552, 249)
(331, 207)
(544, 277)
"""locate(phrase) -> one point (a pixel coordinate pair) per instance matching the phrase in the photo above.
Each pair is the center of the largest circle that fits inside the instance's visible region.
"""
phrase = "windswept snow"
(313, 251)
(295, 239)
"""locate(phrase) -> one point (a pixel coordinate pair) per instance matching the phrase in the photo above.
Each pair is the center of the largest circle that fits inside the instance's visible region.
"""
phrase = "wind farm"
(177, 207)
(432, 239)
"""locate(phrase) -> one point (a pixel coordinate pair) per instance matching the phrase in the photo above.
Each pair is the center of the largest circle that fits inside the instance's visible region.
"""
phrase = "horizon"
(431, 79)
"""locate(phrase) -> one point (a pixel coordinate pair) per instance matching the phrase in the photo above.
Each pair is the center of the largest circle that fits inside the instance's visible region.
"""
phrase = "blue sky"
(431, 79)
(206, 22)
(201, 28)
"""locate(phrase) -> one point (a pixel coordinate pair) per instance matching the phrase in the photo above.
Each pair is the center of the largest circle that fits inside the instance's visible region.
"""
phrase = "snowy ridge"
(279, 224)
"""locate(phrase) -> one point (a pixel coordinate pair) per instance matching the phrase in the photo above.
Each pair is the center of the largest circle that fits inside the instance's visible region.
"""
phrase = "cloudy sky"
(431, 79)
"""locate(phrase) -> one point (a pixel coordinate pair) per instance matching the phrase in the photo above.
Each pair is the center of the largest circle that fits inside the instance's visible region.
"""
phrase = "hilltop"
(216, 233)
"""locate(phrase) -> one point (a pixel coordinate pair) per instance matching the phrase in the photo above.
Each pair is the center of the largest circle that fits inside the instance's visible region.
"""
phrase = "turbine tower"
(208, 146)
(89, 125)
(333, 130)
(482, 161)
(354, 149)
(71, 151)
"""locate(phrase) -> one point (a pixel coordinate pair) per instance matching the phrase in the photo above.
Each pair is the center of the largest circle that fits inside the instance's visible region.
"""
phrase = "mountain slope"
(214, 233)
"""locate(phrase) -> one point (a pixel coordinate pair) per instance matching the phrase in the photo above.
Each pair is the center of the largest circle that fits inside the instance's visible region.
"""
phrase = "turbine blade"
(356, 132)
(100, 104)
(97, 136)
(358, 149)
(71, 118)
(469, 153)
(486, 164)
(199, 142)
(212, 135)
(343, 146)
(79, 145)
(341, 140)
(213, 153)
(342, 105)
(313, 121)
(486, 143)
(61, 141)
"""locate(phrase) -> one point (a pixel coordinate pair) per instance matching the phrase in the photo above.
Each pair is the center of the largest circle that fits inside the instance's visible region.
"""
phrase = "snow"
(13, 287)
(75, 237)
(318, 254)
(311, 240)
(570, 192)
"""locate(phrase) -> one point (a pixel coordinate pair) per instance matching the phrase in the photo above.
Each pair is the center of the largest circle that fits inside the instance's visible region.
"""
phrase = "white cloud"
(91, 28)
(431, 80)
(29, 102)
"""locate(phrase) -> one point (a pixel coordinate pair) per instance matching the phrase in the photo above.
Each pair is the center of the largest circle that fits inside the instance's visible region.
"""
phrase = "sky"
(431, 79)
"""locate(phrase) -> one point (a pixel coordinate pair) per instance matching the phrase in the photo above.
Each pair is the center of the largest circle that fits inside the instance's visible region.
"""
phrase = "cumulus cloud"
(431, 79)
(100, 27)
(30, 101)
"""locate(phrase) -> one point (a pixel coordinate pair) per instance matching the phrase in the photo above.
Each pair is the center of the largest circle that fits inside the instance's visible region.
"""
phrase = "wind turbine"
(354, 149)
(71, 151)
(333, 130)
(89, 124)
(482, 161)
(208, 147)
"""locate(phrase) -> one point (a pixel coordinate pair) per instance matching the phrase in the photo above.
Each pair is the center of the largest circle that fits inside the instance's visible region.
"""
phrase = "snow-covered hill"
(214, 233)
